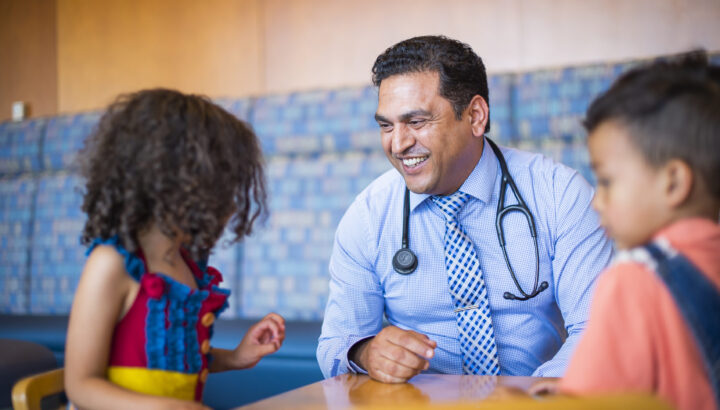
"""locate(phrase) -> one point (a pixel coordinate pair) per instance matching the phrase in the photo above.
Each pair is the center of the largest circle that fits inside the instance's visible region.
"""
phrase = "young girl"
(165, 174)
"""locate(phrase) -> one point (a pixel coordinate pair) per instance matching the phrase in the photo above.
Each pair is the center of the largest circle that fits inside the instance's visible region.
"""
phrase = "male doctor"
(455, 300)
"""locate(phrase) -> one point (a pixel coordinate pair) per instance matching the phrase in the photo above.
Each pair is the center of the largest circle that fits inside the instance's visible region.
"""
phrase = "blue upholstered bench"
(294, 365)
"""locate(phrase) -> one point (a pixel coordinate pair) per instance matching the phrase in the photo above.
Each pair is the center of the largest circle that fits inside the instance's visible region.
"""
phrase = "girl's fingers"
(277, 319)
(267, 330)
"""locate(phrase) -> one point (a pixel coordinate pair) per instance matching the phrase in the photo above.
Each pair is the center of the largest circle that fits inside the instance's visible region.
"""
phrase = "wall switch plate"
(18, 111)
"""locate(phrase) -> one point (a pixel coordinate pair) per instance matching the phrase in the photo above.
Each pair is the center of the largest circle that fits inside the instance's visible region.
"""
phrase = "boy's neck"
(699, 205)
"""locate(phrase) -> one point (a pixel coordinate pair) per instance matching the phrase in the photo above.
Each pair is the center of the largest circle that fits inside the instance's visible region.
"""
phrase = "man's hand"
(544, 387)
(395, 355)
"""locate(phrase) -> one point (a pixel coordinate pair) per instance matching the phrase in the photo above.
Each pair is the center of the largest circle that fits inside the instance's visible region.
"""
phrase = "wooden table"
(436, 391)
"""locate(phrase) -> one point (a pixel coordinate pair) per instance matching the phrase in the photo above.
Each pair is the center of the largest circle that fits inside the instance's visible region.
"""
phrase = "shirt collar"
(479, 184)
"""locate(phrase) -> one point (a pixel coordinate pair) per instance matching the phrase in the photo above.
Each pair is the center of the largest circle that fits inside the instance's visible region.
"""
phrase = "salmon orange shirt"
(636, 339)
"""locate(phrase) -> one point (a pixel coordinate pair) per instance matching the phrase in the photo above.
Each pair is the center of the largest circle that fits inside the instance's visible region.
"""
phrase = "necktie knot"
(451, 204)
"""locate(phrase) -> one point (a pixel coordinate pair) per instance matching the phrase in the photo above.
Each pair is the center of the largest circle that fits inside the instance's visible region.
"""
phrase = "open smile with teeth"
(413, 162)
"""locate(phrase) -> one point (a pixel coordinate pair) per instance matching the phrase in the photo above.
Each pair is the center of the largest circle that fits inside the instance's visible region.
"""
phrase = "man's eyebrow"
(404, 117)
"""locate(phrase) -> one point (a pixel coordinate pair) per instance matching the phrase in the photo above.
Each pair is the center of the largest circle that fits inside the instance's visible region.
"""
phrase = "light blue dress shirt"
(534, 337)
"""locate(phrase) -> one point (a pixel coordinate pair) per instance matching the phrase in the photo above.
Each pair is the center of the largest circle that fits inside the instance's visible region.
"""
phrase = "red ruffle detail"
(215, 276)
(153, 284)
(215, 300)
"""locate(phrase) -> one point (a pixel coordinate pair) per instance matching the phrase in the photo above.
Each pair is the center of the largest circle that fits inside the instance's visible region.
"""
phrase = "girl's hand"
(263, 338)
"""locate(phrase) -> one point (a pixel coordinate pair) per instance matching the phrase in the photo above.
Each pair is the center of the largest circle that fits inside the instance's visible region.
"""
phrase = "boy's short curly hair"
(671, 109)
(180, 161)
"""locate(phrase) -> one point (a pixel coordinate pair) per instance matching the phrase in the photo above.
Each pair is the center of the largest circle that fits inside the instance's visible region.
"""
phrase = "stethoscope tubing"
(405, 261)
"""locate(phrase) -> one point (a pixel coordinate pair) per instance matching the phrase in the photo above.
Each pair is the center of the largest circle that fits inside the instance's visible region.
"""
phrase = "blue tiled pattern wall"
(549, 107)
(321, 147)
(16, 205)
(56, 257)
(64, 137)
(20, 145)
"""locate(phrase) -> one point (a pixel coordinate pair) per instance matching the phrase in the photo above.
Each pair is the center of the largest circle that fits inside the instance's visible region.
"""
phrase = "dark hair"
(173, 159)
(461, 71)
(671, 109)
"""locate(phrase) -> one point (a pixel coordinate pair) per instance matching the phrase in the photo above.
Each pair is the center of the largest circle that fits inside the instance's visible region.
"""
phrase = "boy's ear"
(479, 112)
(679, 182)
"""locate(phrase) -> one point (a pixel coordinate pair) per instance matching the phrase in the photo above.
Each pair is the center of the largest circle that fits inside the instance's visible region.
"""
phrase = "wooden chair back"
(28, 393)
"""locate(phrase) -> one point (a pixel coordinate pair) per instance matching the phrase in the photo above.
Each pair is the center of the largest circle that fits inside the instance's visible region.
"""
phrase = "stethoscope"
(405, 262)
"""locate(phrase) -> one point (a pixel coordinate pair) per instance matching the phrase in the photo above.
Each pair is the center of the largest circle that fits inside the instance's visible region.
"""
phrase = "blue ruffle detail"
(133, 264)
(155, 333)
(202, 264)
(193, 306)
(176, 336)
(205, 280)
(182, 350)
(171, 331)
(225, 305)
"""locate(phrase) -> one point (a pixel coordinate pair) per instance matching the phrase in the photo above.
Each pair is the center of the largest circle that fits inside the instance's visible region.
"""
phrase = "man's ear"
(679, 180)
(478, 112)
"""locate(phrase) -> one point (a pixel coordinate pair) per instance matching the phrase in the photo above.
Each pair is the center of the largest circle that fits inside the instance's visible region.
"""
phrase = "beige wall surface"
(109, 47)
(92, 50)
(28, 58)
(329, 43)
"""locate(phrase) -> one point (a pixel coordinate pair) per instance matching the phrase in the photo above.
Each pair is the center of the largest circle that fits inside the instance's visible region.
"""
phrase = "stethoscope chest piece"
(404, 262)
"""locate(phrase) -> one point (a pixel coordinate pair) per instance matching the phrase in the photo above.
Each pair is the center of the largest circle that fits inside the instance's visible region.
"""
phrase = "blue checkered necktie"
(468, 290)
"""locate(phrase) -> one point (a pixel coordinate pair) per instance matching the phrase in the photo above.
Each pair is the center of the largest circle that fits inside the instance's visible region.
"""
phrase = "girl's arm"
(263, 338)
(104, 294)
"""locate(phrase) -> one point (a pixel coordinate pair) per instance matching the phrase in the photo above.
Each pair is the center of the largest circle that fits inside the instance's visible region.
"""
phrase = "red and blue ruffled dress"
(161, 346)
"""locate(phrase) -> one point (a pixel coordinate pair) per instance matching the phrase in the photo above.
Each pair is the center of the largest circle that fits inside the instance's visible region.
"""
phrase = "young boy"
(655, 319)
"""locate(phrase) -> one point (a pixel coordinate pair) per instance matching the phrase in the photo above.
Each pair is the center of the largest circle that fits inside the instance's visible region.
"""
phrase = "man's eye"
(416, 122)
(385, 127)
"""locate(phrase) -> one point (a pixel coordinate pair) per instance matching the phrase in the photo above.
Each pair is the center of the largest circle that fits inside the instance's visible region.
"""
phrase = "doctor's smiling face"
(421, 135)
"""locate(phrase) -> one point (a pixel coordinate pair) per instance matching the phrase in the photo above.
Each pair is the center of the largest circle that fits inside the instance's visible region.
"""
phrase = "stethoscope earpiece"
(509, 296)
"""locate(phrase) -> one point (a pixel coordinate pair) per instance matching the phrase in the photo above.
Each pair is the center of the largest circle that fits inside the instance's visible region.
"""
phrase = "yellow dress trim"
(155, 382)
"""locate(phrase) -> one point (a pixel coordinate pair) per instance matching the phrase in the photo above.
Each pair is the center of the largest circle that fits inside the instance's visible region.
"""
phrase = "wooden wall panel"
(28, 56)
(74, 55)
(108, 47)
(330, 43)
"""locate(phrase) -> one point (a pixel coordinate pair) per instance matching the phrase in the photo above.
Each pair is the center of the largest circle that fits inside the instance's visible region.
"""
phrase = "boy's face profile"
(629, 195)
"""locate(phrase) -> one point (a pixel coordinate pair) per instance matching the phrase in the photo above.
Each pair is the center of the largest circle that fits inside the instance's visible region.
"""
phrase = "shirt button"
(205, 346)
(203, 376)
(207, 319)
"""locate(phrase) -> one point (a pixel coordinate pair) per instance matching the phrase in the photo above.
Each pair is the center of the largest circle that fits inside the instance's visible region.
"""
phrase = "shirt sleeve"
(355, 301)
(581, 252)
(613, 354)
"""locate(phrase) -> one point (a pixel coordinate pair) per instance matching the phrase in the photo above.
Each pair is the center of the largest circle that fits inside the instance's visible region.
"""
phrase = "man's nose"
(402, 139)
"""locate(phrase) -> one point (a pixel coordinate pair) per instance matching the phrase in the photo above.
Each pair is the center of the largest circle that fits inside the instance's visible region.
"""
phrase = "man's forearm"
(556, 366)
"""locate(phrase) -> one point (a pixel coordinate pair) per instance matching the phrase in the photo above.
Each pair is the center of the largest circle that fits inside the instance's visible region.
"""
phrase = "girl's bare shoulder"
(104, 264)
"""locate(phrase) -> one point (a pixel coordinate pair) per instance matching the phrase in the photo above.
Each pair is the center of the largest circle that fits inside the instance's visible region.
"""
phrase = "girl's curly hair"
(180, 161)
